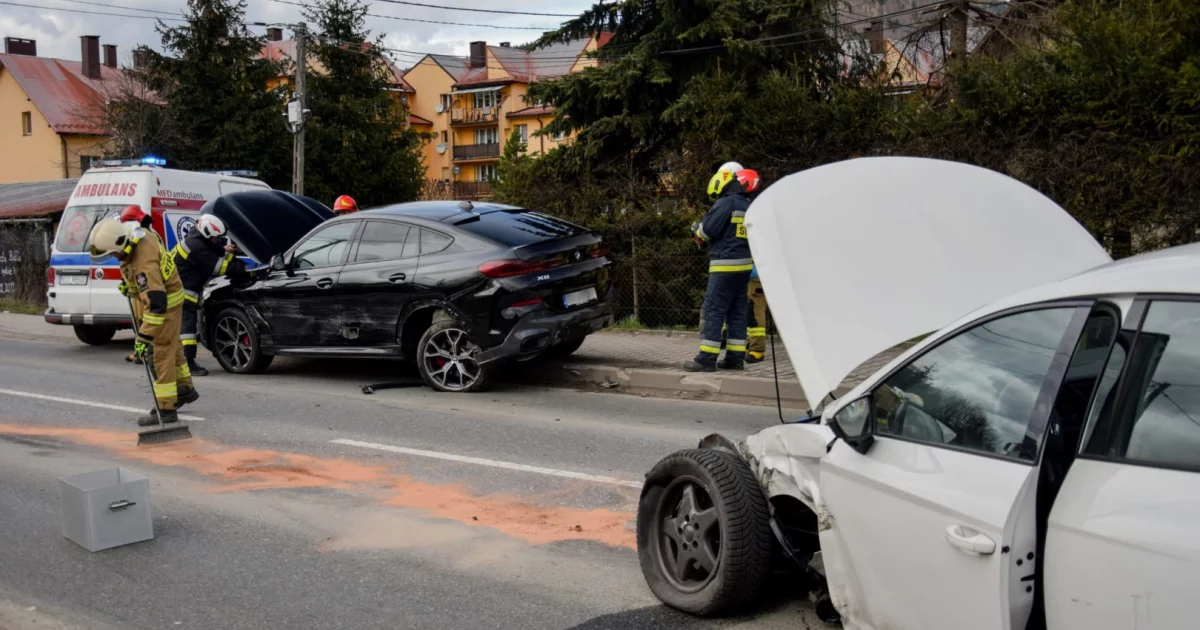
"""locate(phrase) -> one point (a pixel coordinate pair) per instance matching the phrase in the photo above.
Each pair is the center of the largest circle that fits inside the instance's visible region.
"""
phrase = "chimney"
(505, 44)
(18, 46)
(274, 34)
(110, 55)
(141, 58)
(478, 54)
(874, 35)
(90, 55)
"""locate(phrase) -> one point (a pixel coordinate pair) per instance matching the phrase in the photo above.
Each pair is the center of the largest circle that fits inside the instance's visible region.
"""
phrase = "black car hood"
(267, 222)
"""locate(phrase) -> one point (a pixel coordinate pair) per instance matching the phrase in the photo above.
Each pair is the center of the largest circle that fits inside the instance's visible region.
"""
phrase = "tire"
(95, 335)
(566, 348)
(236, 344)
(724, 488)
(445, 358)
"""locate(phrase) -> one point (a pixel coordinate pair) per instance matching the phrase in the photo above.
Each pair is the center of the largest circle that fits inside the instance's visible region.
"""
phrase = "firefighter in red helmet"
(136, 214)
(344, 205)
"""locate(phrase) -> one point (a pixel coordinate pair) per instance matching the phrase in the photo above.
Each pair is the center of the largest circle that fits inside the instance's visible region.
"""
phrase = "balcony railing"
(474, 115)
(439, 189)
(473, 189)
(476, 151)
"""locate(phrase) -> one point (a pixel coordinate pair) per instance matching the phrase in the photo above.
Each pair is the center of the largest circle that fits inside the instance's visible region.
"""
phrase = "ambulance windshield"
(76, 225)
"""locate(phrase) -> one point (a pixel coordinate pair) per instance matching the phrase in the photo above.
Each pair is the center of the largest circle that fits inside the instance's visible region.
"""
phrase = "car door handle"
(969, 540)
(324, 283)
(398, 277)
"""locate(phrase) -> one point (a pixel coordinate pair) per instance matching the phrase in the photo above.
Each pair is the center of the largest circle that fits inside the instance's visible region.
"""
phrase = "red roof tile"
(69, 101)
(529, 112)
(414, 119)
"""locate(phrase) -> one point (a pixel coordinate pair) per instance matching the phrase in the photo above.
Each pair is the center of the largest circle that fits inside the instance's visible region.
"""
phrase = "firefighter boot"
(151, 418)
(187, 396)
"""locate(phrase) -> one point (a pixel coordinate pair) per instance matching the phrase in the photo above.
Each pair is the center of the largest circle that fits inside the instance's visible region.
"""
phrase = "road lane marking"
(88, 403)
(478, 461)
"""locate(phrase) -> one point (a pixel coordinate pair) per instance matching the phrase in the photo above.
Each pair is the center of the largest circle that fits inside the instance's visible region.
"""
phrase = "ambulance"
(83, 292)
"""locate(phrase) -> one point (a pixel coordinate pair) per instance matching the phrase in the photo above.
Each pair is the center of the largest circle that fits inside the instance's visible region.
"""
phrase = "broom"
(162, 433)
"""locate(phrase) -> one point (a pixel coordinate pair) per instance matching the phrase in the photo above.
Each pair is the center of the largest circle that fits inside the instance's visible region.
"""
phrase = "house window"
(86, 161)
(485, 172)
(445, 137)
(487, 135)
(27, 123)
(558, 136)
(523, 130)
(447, 102)
(487, 99)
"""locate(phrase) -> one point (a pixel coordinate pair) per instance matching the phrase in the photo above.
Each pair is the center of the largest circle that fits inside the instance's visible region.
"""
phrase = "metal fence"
(660, 290)
(24, 256)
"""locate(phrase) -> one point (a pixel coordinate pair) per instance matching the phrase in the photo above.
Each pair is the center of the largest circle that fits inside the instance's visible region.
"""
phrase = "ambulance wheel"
(95, 335)
(236, 344)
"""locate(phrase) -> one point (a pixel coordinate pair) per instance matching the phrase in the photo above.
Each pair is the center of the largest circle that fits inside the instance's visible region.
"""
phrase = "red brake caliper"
(246, 340)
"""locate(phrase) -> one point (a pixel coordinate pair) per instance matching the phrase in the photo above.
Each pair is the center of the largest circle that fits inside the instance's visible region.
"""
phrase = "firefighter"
(344, 205)
(149, 277)
(138, 217)
(203, 254)
(729, 266)
(756, 310)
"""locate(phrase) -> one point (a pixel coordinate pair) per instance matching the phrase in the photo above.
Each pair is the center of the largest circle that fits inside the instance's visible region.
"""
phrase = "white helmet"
(210, 226)
(732, 167)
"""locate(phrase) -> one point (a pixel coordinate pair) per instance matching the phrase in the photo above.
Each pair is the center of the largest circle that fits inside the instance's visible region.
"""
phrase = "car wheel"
(447, 359)
(566, 348)
(235, 343)
(703, 532)
(95, 335)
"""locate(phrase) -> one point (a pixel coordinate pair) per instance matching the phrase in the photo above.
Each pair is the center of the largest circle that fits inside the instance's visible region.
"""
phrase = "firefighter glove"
(123, 288)
(143, 350)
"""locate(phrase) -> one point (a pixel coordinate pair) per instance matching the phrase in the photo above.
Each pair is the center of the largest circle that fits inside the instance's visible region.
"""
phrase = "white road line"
(88, 403)
(462, 459)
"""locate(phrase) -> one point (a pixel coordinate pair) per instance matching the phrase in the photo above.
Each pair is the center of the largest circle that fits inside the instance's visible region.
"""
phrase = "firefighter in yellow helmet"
(149, 277)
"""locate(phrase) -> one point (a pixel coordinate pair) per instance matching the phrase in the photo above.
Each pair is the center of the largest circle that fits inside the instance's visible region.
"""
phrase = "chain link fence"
(659, 284)
(24, 256)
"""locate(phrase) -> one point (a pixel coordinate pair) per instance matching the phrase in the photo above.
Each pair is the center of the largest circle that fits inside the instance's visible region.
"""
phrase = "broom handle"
(149, 373)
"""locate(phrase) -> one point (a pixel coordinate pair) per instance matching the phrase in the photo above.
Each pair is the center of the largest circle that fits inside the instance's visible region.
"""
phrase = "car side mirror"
(853, 425)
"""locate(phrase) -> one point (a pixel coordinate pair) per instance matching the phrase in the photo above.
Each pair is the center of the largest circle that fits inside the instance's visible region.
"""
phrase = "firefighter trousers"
(187, 329)
(724, 305)
(170, 366)
(756, 316)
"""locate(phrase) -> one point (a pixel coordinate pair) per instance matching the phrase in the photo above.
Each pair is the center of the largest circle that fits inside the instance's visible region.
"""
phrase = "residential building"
(50, 110)
(471, 106)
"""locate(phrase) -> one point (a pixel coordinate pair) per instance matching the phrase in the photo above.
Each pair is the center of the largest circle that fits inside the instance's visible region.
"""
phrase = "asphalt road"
(302, 503)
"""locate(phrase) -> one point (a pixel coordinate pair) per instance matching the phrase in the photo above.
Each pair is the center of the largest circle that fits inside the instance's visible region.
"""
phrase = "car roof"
(444, 211)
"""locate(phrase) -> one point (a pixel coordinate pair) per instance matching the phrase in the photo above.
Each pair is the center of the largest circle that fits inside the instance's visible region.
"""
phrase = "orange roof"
(530, 112)
(67, 99)
(414, 119)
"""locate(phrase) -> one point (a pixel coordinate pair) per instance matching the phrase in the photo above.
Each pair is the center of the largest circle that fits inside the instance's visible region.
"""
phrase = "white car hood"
(858, 256)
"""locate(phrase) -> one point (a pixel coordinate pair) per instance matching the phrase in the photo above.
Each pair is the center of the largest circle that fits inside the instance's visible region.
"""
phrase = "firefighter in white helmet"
(202, 255)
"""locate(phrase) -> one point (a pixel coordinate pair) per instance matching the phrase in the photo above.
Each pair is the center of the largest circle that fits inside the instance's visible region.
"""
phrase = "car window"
(977, 389)
(326, 248)
(433, 242)
(514, 228)
(1158, 419)
(382, 240)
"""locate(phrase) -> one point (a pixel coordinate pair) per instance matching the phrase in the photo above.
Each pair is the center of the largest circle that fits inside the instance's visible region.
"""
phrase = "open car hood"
(267, 222)
(859, 256)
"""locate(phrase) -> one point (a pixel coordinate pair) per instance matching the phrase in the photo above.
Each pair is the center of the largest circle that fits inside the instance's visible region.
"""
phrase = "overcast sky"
(57, 31)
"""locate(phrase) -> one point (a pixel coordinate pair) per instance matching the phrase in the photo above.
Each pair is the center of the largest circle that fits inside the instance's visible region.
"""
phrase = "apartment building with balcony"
(473, 105)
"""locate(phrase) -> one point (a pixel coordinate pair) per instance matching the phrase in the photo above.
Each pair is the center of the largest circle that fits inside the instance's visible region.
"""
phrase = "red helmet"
(344, 205)
(132, 213)
(749, 179)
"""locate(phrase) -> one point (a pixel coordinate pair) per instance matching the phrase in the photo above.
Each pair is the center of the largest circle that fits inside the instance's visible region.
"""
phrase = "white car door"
(933, 528)
(1122, 550)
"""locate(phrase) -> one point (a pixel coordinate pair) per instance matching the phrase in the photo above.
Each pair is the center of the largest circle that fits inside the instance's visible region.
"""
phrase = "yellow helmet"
(109, 237)
(718, 182)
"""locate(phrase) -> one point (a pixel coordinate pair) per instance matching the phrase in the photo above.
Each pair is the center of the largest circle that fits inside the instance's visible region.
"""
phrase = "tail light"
(50, 276)
(508, 268)
(533, 302)
(599, 250)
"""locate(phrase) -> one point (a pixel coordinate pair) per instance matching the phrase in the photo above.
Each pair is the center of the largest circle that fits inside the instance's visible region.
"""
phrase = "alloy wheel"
(689, 546)
(450, 360)
(233, 342)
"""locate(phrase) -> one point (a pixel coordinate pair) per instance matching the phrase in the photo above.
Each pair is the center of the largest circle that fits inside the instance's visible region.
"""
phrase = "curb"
(611, 377)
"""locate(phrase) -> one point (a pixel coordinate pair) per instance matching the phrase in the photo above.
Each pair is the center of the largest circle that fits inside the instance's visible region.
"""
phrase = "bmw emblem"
(184, 226)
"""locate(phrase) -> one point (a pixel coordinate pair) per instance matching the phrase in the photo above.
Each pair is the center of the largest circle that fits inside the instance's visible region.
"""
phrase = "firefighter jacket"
(725, 230)
(199, 259)
(152, 281)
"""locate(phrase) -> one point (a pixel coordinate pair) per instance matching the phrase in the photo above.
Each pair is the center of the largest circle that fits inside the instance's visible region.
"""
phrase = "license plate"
(575, 298)
(72, 281)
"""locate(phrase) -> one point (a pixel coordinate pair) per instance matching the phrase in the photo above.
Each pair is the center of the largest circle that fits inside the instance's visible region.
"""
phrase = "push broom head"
(164, 433)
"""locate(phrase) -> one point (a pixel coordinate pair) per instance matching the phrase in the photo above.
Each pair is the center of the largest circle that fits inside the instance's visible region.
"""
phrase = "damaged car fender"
(787, 461)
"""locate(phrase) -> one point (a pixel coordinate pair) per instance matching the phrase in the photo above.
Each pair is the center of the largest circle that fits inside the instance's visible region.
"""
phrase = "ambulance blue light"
(150, 160)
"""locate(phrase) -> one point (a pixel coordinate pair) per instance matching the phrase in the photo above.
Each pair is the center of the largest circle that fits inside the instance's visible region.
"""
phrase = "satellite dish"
(441, 147)
(439, 108)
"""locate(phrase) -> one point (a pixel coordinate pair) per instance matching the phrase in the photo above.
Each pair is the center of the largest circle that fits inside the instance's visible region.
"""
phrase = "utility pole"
(298, 110)
(958, 31)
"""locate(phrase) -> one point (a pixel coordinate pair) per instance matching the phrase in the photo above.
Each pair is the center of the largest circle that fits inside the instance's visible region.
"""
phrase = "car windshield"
(76, 225)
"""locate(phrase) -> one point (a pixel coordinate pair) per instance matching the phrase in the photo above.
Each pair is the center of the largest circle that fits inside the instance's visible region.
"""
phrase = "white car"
(1033, 464)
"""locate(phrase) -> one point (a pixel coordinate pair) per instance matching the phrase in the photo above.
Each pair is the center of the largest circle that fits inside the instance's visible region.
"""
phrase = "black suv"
(456, 286)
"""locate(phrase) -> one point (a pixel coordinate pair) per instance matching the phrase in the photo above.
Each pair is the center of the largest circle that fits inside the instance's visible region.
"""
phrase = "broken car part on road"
(1032, 464)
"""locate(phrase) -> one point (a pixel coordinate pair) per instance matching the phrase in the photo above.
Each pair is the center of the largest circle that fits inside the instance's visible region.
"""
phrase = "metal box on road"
(106, 508)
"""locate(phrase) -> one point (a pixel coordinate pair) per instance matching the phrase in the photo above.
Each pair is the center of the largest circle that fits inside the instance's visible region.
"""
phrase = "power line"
(500, 11)
(405, 19)
(118, 6)
(125, 15)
